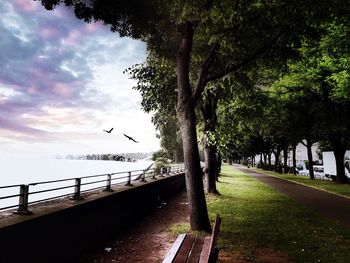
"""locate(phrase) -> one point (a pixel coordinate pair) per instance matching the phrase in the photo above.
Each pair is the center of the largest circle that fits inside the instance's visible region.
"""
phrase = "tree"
(156, 81)
(199, 34)
(321, 78)
(159, 154)
(169, 134)
(240, 117)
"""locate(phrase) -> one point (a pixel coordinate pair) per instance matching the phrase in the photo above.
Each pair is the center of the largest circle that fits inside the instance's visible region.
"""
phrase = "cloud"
(59, 73)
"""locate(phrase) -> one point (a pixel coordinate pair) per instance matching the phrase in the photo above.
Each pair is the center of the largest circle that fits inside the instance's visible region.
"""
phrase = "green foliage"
(160, 163)
(178, 229)
(323, 63)
(170, 136)
(159, 154)
(239, 118)
(156, 81)
(317, 84)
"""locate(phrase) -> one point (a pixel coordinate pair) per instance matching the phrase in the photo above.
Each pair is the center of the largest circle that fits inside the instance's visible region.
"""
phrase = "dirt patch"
(231, 257)
(260, 255)
(268, 255)
(149, 240)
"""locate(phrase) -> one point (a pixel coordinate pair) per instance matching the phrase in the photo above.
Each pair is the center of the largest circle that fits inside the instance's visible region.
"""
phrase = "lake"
(20, 170)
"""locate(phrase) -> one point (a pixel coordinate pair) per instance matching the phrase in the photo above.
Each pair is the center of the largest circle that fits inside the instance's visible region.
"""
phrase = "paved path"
(332, 206)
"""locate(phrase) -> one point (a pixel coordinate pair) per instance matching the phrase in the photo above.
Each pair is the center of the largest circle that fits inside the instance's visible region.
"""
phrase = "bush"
(160, 163)
(159, 154)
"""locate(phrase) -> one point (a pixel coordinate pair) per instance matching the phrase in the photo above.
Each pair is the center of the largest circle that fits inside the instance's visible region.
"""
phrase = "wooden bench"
(189, 248)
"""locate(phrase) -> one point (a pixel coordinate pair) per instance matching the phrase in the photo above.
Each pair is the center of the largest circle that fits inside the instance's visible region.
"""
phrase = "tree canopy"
(207, 41)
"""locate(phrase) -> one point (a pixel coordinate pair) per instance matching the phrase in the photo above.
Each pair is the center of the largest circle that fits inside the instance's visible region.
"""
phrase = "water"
(32, 170)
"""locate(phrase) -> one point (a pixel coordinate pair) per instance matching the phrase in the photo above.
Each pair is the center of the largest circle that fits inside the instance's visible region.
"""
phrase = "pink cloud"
(92, 27)
(26, 6)
(62, 89)
(33, 90)
(72, 39)
(48, 32)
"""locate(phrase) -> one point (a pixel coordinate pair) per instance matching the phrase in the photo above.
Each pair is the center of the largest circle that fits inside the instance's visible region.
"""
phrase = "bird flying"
(108, 131)
(130, 138)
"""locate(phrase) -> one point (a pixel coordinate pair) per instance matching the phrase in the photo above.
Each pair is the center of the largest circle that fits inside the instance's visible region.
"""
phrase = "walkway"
(330, 205)
(148, 240)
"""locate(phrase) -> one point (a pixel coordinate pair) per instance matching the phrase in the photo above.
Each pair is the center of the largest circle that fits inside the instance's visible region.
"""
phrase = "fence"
(32, 193)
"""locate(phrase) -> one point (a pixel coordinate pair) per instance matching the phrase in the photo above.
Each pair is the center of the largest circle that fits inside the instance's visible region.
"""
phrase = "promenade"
(330, 205)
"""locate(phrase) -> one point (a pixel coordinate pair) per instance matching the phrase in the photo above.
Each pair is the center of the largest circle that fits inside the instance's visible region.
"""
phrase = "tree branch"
(203, 72)
(260, 51)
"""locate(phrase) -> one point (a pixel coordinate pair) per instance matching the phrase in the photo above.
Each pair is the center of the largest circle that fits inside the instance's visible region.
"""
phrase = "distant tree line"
(120, 157)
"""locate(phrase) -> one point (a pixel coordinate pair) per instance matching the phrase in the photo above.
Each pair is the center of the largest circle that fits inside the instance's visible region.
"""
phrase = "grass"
(340, 189)
(178, 229)
(254, 216)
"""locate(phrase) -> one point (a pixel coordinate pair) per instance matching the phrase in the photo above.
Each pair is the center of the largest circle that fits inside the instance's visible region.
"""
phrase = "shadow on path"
(330, 205)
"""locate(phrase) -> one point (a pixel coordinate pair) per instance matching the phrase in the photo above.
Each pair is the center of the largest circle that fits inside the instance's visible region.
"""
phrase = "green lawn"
(341, 189)
(256, 217)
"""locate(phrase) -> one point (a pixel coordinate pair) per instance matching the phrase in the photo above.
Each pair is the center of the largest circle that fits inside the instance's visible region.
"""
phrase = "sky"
(62, 83)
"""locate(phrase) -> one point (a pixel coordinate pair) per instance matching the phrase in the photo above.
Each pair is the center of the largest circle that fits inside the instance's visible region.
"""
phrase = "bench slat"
(174, 249)
(193, 249)
(185, 249)
(215, 234)
(209, 250)
(205, 254)
(196, 250)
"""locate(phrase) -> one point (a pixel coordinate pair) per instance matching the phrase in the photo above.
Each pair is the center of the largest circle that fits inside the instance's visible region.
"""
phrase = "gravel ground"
(147, 241)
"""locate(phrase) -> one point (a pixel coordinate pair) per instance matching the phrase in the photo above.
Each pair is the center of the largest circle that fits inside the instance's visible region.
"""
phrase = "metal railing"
(32, 193)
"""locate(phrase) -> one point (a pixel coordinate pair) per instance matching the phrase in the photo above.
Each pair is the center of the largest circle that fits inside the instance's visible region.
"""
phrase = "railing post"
(23, 201)
(161, 172)
(154, 175)
(109, 184)
(143, 179)
(129, 180)
(77, 187)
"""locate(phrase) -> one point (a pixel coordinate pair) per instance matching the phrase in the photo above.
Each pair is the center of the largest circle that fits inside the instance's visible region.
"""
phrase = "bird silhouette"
(130, 138)
(108, 131)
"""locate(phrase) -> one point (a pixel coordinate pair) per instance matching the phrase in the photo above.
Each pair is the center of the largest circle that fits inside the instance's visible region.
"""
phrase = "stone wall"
(62, 235)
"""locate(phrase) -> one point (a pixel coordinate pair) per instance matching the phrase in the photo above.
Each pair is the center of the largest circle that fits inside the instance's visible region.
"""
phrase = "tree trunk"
(294, 159)
(285, 160)
(339, 153)
(265, 161)
(208, 109)
(277, 159)
(218, 164)
(199, 219)
(210, 172)
(178, 154)
(269, 161)
(309, 144)
(339, 161)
